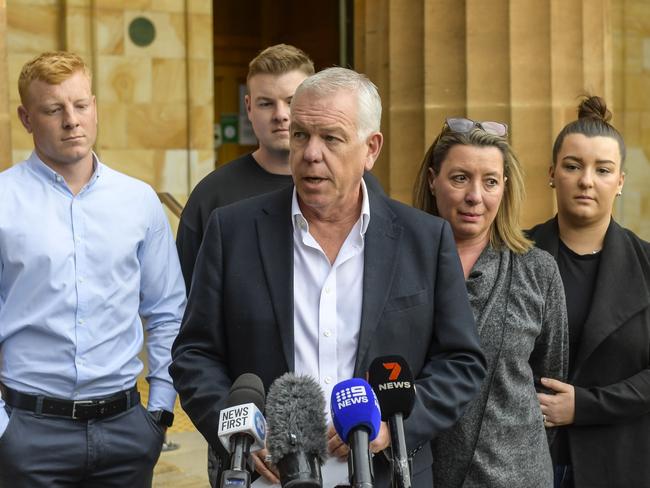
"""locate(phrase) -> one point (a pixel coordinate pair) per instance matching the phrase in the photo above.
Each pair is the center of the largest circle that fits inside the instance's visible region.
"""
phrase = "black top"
(237, 180)
(578, 274)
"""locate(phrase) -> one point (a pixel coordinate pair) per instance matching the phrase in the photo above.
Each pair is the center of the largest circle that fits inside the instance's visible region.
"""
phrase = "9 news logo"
(353, 395)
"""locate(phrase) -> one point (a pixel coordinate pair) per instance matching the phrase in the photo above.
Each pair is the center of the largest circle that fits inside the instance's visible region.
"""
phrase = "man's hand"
(336, 447)
(267, 470)
(558, 409)
(382, 441)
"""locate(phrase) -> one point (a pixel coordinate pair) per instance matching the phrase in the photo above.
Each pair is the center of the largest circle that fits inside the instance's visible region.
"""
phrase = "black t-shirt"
(578, 274)
(237, 180)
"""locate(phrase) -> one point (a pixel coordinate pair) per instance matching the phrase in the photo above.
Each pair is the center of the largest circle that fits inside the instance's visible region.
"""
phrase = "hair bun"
(594, 107)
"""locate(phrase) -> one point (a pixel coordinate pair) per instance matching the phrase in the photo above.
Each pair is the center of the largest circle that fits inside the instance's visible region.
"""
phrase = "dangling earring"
(433, 193)
(551, 184)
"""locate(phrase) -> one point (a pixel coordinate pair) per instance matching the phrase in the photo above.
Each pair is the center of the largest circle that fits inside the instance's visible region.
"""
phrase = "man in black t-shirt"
(273, 76)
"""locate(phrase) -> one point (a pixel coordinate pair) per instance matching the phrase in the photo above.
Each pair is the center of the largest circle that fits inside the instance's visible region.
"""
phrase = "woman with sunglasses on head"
(604, 408)
(471, 178)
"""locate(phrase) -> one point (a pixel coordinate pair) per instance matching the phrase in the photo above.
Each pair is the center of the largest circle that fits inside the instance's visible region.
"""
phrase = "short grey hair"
(332, 80)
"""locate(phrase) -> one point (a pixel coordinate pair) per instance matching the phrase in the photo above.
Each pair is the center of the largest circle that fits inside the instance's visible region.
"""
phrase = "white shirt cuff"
(162, 396)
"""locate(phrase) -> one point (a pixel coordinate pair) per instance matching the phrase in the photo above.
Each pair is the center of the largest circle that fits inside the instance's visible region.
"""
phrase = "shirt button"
(58, 178)
(327, 333)
(81, 321)
(328, 290)
(328, 380)
(81, 280)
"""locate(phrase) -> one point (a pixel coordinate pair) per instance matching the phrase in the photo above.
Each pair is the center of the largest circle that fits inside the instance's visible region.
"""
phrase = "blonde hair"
(280, 59)
(505, 230)
(52, 67)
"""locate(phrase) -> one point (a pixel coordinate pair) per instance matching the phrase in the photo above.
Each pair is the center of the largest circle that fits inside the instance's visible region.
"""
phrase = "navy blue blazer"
(239, 316)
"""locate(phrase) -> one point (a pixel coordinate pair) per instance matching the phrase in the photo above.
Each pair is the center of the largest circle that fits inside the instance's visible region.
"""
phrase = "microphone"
(297, 438)
(242, 428)
(357, 419)
(392, 380)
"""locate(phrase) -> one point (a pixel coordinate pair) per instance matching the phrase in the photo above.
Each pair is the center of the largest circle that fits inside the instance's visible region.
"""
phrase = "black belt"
(73, 409)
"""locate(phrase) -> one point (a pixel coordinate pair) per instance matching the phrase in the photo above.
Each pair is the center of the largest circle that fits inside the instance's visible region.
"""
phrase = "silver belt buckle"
(79, 402)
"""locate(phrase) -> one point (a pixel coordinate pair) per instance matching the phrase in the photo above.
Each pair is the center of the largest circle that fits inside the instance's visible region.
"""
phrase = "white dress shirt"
(327, 301)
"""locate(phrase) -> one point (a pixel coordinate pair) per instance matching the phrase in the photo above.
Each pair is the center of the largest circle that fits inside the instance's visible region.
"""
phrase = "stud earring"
(619, 193)
(551, 184)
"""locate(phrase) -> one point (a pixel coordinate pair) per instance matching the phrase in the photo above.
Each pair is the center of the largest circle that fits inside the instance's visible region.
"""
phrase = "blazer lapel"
(380, 260)
(275, 242)
(618, 294)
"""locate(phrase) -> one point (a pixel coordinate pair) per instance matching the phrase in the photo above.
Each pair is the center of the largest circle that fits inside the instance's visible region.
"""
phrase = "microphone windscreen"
(248, 388)
(295, 417)
(392, 380)
(354, 405)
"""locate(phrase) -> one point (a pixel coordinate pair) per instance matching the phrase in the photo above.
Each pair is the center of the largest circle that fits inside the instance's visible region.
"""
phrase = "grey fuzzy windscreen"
(295, 417)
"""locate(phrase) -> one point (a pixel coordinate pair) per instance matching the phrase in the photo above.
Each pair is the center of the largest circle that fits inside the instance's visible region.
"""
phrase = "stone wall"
(154, 100)
(631, 41)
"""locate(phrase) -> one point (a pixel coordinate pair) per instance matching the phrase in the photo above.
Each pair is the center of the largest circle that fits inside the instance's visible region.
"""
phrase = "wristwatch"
(163, 417)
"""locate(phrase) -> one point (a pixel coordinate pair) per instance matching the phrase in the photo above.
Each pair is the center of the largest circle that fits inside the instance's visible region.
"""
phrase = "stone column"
(5, 118)
(388, 48)
(517, 61)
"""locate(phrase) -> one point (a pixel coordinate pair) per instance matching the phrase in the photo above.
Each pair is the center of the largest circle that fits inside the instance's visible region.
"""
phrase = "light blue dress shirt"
(79, 274)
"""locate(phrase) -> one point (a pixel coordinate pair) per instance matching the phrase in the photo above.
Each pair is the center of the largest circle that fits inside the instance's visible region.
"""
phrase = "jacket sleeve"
(550, 357)
(199, 355)
(455, 368)
(615, 403)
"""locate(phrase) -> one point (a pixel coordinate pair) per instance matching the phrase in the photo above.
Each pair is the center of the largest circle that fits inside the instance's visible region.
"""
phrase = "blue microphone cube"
(355, 405)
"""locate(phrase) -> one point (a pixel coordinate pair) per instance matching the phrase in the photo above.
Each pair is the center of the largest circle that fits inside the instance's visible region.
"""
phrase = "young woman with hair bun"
(603, 410)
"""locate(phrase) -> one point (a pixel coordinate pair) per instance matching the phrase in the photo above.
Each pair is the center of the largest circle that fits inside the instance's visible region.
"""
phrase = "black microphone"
(242, 428)
(297, 438)
(392, 380)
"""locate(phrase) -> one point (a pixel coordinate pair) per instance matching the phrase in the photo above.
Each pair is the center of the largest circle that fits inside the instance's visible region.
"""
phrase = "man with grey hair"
(323, 277)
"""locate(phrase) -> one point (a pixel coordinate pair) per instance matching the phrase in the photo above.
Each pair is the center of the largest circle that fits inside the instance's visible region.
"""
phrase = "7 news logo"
(351, 396)
(395, 369)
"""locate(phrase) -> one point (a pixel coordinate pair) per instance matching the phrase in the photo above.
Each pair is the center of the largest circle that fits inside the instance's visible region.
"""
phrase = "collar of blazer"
(275, 242)
(622, 284)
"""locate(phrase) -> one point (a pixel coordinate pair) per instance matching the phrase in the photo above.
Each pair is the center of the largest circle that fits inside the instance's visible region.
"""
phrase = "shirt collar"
(44, 171)
(299, 220)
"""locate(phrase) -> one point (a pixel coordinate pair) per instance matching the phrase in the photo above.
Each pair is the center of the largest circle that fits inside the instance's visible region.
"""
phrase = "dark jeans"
(41, 451)
(563, 476)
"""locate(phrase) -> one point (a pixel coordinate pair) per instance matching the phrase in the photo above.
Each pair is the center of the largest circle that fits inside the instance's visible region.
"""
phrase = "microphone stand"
(359, 460)
(401, 478)
(237, 475)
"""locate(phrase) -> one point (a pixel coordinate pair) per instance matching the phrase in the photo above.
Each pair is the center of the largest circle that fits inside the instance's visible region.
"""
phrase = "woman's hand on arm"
(558, 409)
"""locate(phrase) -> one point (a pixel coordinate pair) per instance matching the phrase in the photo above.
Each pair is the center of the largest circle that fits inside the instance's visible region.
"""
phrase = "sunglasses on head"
(463, 126)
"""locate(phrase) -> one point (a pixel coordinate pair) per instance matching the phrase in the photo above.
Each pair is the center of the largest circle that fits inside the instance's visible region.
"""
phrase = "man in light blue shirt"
(86, 255)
